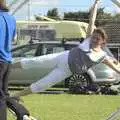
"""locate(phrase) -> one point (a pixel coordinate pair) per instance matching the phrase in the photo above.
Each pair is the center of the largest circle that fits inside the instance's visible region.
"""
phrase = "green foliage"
(53, 13)
(83, 16)
(102, 17)
(78, 16)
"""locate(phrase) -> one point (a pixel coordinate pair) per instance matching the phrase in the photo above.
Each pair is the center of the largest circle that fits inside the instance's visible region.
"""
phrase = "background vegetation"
(83, 16)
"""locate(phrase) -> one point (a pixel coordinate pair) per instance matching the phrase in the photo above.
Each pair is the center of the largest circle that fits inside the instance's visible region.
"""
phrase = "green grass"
(70, 107)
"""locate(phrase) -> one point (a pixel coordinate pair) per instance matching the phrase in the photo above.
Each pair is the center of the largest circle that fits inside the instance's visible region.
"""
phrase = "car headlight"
(113, 76)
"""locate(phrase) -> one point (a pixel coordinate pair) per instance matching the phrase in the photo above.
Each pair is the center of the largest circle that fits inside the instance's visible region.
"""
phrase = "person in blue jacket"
(7, 34)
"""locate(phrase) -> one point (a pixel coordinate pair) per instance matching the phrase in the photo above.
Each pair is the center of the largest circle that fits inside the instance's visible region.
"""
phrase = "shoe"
(26, 117)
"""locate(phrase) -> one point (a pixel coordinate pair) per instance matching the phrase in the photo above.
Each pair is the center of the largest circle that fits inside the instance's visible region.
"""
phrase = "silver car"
(97, 75)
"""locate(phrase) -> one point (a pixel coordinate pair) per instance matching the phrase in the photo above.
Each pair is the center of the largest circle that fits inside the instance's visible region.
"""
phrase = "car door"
(28, 76)
(24, 76)
(51, 49)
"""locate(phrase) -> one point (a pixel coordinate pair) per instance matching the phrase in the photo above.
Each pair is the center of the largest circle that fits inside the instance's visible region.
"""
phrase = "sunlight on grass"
(70, 107)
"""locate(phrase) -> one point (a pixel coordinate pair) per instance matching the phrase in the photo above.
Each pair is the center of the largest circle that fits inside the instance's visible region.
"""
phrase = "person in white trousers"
(64, 64)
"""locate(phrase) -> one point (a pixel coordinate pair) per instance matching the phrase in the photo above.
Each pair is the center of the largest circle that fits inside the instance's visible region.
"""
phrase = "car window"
(26, 51)
(115, 52)
(39, 50)
(58, 49)
(69, 46)
(50, 48)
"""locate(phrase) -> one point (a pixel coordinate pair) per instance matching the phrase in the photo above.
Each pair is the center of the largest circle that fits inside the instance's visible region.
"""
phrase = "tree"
(78, 16)
(53, 13)
(102, 17)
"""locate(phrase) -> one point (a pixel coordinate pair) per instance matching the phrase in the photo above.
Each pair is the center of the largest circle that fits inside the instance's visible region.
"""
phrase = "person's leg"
(54, 77)
(19, 109)
(45, 61)
(11, 102)
(59, 73)
(5, 79)
(49, 61)
(3, 111)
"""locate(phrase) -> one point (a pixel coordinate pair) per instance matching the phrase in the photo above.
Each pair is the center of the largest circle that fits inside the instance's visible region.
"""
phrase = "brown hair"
(3, 5)
(102, 32)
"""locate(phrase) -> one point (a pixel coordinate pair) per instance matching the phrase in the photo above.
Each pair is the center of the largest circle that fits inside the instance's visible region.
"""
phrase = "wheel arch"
(91, 75)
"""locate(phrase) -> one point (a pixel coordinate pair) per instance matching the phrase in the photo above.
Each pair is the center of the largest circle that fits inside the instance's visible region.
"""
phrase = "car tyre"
(78, 84)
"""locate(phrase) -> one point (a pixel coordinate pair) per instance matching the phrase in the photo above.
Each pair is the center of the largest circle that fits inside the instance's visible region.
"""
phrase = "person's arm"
(92, 18)
(112, 63)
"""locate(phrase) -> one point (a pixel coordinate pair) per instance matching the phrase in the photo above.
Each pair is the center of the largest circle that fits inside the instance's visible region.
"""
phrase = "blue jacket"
(7, 33)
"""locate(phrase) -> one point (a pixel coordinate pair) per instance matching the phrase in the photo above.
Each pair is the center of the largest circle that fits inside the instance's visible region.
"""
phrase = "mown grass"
(70, 107)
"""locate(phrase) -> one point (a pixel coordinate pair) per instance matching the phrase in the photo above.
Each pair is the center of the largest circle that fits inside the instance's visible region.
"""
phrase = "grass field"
(70, 107)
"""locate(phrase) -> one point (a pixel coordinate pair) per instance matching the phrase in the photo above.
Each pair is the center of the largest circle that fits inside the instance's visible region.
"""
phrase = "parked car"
(99, 75)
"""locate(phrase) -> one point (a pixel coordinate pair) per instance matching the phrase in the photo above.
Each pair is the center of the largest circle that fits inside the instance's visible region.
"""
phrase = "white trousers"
(57, 61)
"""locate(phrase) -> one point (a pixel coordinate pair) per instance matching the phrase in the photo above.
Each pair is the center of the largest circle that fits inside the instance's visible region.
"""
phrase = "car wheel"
(79, 83)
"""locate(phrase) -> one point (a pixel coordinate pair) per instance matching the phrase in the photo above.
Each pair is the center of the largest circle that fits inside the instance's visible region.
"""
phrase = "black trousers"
(4, 73)
(19, 109)
(5, 100)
